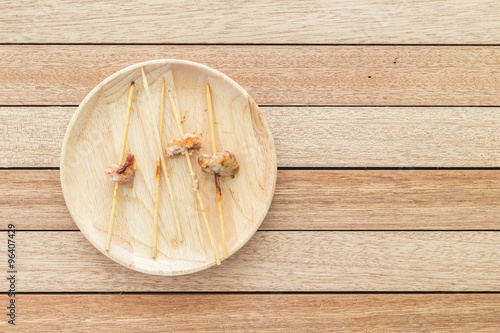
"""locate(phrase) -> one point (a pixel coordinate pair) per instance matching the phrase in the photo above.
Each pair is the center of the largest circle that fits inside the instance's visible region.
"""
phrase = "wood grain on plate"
(272, 75)
(290, 21)
(91, 144)
(217, 313)
(309, 136)
(335, 199)
(278, 261)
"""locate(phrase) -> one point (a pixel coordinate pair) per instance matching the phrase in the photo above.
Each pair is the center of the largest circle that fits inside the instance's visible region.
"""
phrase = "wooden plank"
(272, 75)
(322, 136)
(335, 200)
(278, 261)
(261, 21)
(238, 313)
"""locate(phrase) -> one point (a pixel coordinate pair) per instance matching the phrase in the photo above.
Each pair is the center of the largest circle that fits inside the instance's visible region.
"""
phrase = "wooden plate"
(92, 143)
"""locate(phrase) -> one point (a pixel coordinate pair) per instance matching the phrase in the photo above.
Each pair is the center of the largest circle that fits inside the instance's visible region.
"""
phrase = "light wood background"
(386, 121)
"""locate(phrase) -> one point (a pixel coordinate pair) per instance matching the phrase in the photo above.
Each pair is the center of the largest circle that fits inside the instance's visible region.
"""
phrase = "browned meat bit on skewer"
(222, 163)
(179, 145)
(123, 173)
(196, 183)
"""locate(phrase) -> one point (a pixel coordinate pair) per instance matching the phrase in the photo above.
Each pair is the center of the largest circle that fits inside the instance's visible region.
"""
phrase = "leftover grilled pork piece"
(123, 173)
(222, 163)
(196, 183)
(179, 145)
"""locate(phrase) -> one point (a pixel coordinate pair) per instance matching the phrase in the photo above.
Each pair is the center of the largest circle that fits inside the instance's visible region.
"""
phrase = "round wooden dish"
(92, 143)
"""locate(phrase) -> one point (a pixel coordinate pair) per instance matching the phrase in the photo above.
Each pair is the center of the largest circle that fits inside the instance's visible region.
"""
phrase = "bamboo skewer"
(160, 153)
(158, 173)
(193, 178)
(120, 161)
(216, 176)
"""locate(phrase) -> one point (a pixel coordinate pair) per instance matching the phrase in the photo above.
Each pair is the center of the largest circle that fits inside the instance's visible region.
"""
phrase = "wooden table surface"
(386, 119)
